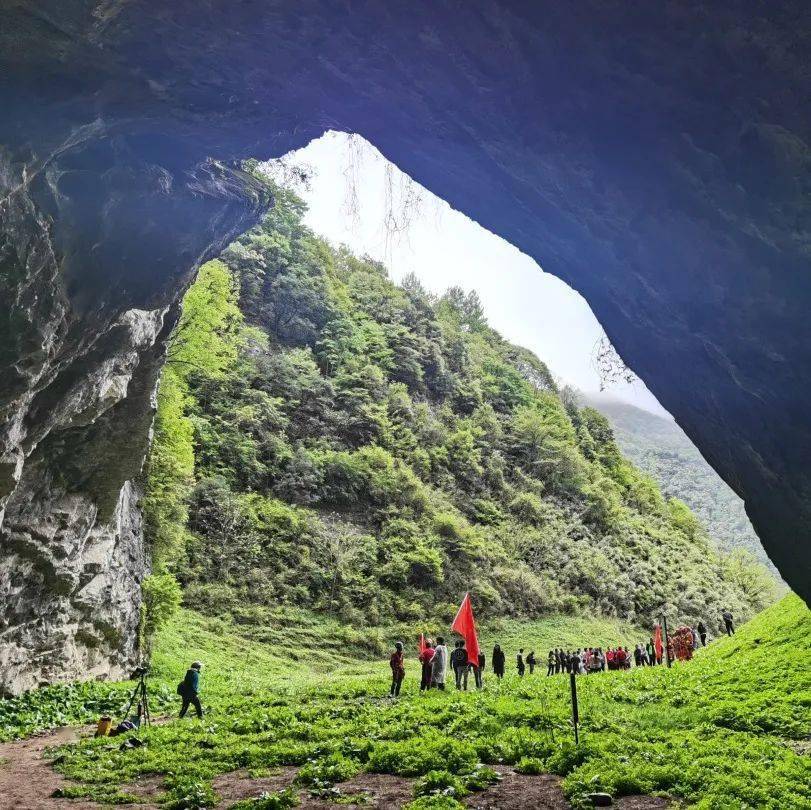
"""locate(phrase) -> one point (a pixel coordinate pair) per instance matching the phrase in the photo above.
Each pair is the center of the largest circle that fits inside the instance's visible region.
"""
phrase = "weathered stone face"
(653, 156)
(87, 309)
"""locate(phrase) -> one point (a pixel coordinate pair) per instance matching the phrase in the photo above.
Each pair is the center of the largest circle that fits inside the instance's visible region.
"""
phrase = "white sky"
(354, 191)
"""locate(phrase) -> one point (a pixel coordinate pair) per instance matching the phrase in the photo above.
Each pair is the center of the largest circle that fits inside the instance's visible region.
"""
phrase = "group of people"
(595, 659)
(436, 662)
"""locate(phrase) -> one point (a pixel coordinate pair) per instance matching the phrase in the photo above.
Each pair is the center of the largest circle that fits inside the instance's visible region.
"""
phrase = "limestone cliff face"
(80, 362)
(654, 156)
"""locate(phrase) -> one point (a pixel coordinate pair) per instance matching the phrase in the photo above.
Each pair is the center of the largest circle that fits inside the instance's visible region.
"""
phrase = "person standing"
(397, 664)
(426, 657)
(651, 650)
(478, 671)
(459, 664)
(189, 690)
(498, 662)
(702, 633)
(550, 663)
(519, 663)
(531, 661)
(439, 664)
(728, 626)
(558, 660)
(638, 655)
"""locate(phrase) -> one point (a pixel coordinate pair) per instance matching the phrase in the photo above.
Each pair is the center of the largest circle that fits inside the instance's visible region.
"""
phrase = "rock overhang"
(655, 158)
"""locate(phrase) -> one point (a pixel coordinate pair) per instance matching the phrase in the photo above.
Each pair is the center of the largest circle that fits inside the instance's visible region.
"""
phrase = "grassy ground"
(725, 730)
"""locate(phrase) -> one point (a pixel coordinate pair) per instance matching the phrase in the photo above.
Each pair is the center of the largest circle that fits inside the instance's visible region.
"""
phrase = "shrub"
(531, 765)
(161, 598)
(440, 783)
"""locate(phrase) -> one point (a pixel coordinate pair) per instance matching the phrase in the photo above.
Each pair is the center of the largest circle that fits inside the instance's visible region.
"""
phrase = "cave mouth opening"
(357, 197)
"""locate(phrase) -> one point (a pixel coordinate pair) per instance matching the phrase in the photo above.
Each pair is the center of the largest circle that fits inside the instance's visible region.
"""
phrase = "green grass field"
(725, 730)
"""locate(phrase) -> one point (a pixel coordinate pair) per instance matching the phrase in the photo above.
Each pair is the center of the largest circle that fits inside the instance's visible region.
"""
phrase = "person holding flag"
(465, 625)
(657, 642)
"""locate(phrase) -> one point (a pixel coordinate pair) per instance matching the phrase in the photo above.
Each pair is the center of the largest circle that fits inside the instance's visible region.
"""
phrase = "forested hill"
(329, 440)
(659, 447)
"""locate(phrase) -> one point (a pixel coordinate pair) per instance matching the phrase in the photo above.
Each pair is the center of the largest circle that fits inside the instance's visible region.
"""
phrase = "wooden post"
(667, 645)
(575, 715)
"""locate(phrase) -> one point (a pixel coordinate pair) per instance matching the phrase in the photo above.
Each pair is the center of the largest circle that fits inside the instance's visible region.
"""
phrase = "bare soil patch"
(28, 781)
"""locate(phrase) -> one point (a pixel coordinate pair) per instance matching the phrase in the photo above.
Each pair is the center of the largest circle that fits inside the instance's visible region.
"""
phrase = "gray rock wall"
(80, 364)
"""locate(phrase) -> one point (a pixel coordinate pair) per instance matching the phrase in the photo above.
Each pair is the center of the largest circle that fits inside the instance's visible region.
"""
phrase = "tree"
(743, 569)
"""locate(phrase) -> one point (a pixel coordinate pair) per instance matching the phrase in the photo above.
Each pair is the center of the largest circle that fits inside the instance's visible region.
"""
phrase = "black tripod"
(140, 693)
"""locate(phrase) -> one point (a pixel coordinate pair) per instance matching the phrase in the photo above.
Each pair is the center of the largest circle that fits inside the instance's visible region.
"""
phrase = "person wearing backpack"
(702, 633)
(189, 690)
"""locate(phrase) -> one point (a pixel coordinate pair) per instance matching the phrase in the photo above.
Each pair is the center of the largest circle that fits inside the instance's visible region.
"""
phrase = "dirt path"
(28, 781)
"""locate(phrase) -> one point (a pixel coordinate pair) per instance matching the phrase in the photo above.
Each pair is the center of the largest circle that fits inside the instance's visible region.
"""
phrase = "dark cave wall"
(94, 250)
(653, 156)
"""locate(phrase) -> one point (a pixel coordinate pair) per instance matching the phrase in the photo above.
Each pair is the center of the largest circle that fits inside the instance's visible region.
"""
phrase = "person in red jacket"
(619, 658)
(426, 656)
(610, 658)
(397, 664)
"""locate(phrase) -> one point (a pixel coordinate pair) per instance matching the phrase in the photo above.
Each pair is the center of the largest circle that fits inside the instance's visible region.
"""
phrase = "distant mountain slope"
(660, 448)
(330, 441)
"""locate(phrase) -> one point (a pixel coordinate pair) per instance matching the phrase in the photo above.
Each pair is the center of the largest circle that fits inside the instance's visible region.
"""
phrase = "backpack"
(181, 688)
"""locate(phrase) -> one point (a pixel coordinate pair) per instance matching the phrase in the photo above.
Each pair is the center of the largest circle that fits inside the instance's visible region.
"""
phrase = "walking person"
(397, 664)
(498, 662)
(728, 626)
(426, 656)
(478, 671)
(459, 664)
(189, 690)
(702, 633)
(531, 661)
(519, 662)
(439, 664)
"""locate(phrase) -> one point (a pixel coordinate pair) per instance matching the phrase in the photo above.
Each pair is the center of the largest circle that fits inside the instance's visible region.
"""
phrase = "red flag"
(657, 642)
(422, 645)
(465, 625)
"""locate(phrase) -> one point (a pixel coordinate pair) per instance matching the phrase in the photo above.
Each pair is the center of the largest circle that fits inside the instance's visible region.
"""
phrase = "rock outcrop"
(653, 156)
(84, 323)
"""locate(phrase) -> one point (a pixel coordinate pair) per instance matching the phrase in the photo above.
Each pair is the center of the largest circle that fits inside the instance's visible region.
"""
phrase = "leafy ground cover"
(725, 730)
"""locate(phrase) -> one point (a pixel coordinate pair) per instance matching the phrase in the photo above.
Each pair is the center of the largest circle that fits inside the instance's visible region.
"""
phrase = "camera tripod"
(140, 692)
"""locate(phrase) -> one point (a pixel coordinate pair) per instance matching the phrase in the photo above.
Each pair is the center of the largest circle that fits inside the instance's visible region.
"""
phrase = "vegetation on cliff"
(327, 439)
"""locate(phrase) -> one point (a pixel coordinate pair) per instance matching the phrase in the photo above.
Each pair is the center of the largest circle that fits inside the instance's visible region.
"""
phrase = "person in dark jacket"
(519, 663)
(397, 664)
(531, 661)
(459, 664)
(702, 633)
(479, 670)
(550, 663)
(190, 690)
(498, 662)
(728, 626)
